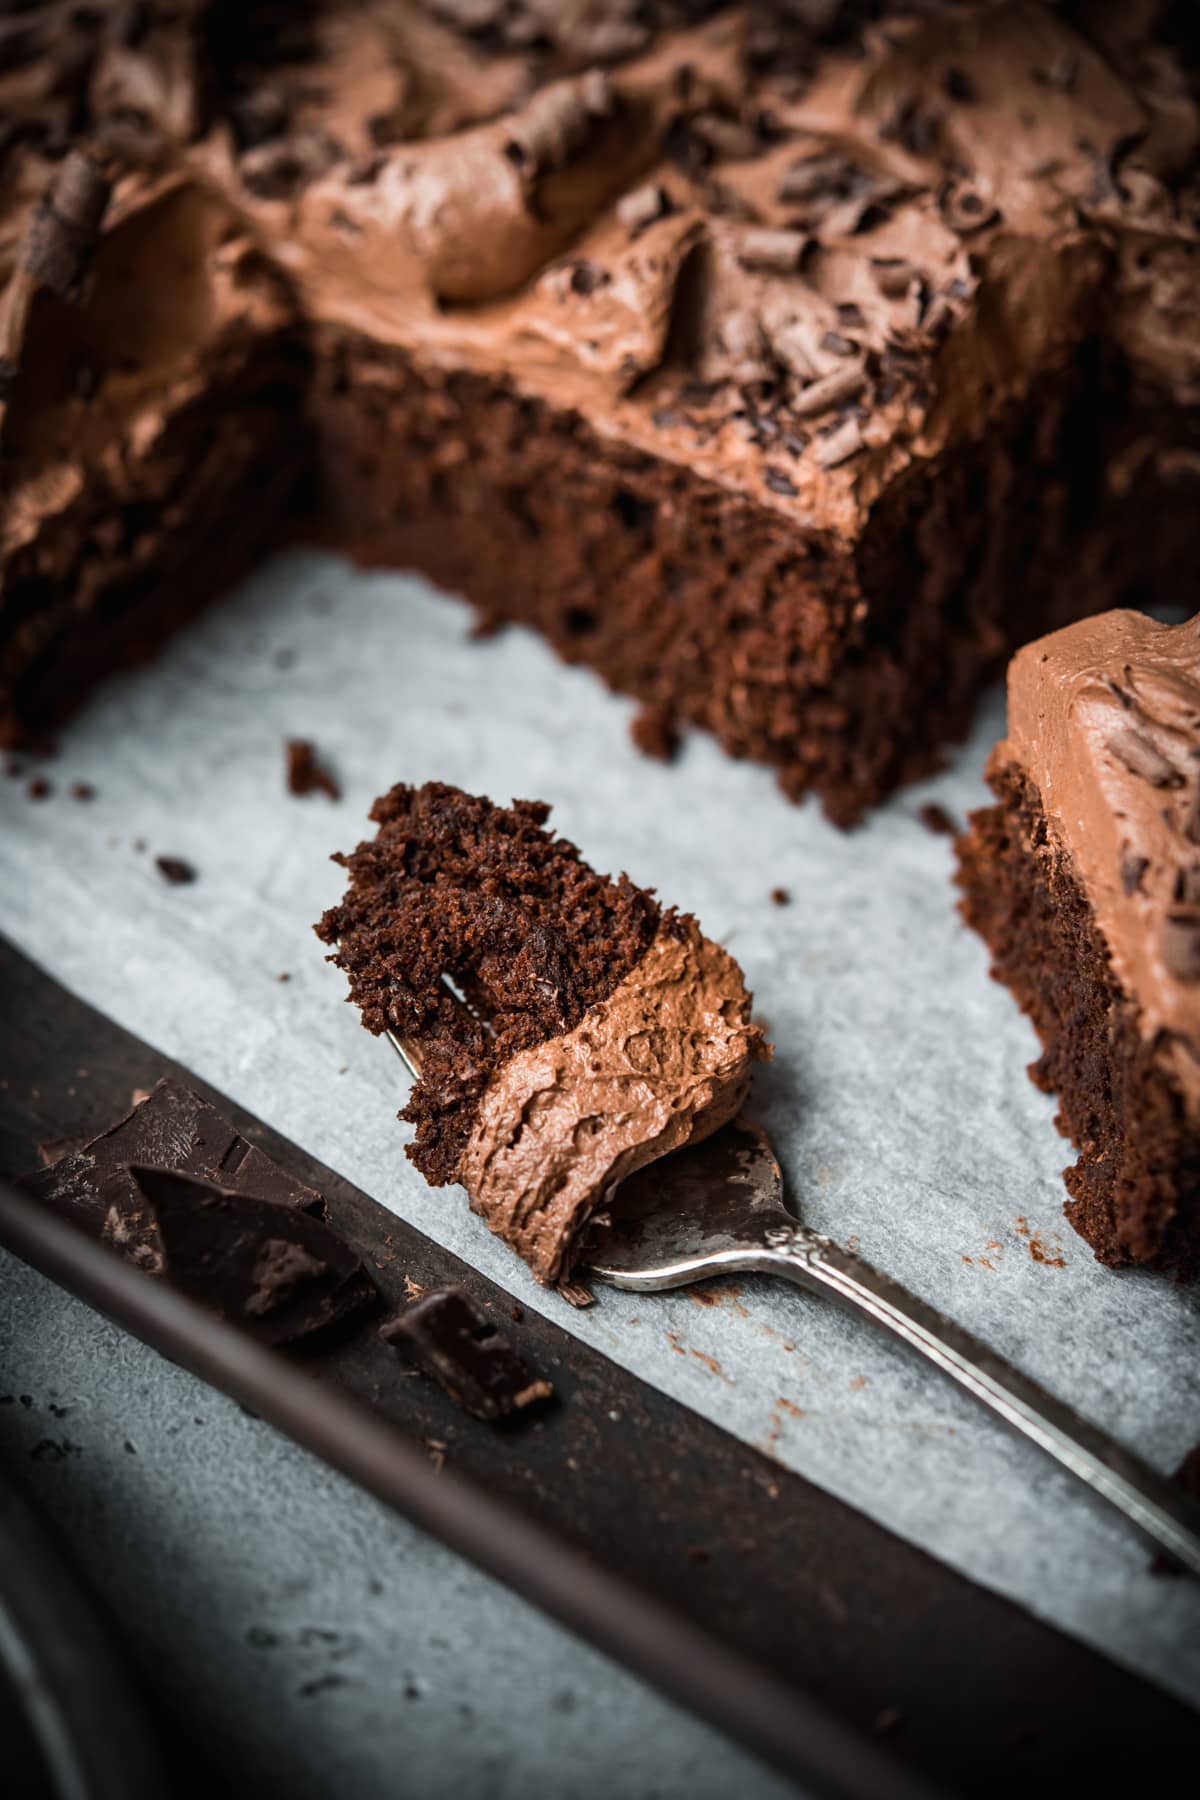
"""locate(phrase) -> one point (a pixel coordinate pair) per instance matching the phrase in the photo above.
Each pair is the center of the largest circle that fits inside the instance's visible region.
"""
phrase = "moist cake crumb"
(655, 733)
(306, 774)
(936, 818)
(175, 870)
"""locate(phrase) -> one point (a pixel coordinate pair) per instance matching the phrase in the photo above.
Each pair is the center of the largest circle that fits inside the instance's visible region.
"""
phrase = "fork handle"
(1160, 1511)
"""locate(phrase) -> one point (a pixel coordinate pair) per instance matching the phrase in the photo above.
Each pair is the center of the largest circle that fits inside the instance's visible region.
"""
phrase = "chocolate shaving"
(558, 122)
(727, 137)
(1187, 886)
(1137, 754)
(1181, 945)
(845, 441)
(1132, 869)
(893, 276)
(825, 174)
(780, 252)
(747, 346)
(642, 207)
(1191, 816)
(65, 224)
(831, 390)
(789, 344)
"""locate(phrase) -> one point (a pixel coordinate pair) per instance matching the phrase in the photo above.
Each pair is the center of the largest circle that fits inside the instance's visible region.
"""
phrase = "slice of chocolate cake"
(1085, 882)
(567, 1028)
(787, 370)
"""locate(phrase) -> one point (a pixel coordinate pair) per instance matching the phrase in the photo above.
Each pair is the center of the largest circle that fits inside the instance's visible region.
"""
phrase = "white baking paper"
(898, 1098)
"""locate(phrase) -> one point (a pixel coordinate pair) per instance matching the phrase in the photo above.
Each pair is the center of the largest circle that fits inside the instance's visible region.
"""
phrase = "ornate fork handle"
(1158, 1510)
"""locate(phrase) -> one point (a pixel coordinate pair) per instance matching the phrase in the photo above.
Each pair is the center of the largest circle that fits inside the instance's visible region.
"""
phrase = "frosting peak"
(664, 1061)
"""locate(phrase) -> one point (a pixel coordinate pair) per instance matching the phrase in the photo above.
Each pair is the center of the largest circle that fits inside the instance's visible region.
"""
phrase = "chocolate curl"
(54, 253)
(65, 224)
(558, 122)
(830, 391)
(843, 443)
(780, 252)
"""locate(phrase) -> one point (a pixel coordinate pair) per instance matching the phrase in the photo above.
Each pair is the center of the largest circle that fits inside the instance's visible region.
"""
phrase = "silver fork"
(720, 1208)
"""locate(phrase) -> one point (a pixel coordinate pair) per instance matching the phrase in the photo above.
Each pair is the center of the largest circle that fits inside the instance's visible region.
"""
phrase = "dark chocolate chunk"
(450, 1339)
(175, 870)
(173, 1129)
(780, 482)
(279, 1272)
(305, 775)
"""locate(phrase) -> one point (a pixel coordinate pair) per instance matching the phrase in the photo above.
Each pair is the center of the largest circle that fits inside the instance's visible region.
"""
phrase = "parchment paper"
(898, 1098)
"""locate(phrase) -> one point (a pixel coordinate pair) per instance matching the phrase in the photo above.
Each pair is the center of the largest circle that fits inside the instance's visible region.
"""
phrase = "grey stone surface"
(320, 1645)
(898, 1098)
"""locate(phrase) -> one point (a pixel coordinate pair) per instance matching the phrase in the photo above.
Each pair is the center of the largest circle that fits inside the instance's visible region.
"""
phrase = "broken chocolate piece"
(172, 1128)
(448, 1337)
(280, 1273)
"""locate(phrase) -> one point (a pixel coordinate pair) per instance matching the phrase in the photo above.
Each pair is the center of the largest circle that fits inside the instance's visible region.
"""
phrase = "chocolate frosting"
(664, 1061)
(1104, 719)
(796, 267)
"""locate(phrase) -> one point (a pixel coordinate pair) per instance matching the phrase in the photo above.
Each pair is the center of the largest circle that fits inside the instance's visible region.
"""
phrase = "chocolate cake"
(786, 373)
(1085, 881)
(567, 1028)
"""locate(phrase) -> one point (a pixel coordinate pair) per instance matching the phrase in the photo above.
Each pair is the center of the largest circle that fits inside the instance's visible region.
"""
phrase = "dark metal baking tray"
(748, 1594)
